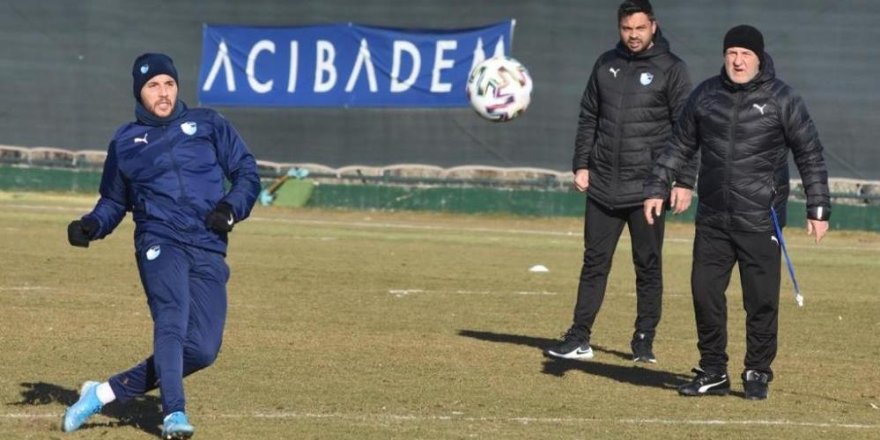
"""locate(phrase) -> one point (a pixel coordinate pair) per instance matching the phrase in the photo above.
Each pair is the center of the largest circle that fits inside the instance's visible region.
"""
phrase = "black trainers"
(706, 384)
(643, 348)
(755, 384)
(573, 346)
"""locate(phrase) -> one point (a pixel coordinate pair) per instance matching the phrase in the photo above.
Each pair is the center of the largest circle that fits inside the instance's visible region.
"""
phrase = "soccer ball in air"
(499, 89)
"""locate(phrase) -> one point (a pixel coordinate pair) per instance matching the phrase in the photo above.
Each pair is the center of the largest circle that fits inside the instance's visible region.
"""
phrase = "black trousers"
(758, 256)
(602, 229)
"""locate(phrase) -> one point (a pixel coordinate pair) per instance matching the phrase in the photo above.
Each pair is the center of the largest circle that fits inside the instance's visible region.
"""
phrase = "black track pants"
(602, 229)
(758, 256)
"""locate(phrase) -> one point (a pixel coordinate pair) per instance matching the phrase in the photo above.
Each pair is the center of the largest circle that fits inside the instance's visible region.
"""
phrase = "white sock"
(105, 393)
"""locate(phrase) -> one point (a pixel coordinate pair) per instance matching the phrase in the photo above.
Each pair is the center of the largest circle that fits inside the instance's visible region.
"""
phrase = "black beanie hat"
(149, 65)
(747, 37)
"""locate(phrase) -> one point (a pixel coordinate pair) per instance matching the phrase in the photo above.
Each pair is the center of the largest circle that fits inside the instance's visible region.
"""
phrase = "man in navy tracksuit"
(168, 169)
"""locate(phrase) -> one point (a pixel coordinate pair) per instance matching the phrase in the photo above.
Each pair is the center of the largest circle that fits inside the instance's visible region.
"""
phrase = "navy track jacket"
(171, 176)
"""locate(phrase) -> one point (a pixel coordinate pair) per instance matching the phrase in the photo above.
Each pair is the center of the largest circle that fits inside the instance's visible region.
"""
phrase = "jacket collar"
(145, 117)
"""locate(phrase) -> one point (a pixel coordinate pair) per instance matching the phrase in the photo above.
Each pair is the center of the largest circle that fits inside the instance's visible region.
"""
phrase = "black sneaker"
(573, 346)
(643, 348)
(706, 384)
(755, 384)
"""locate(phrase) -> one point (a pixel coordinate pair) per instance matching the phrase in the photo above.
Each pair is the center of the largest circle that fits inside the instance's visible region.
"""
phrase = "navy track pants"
(186, 292)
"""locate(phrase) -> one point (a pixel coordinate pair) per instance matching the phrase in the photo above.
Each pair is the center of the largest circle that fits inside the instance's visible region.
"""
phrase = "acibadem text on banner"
(344, 65)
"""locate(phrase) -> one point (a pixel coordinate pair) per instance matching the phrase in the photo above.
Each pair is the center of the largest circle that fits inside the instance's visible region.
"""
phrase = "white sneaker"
(572, 346)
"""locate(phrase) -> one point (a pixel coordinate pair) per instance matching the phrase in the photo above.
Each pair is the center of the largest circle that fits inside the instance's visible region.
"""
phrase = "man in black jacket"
(633, 96)
(743, 122)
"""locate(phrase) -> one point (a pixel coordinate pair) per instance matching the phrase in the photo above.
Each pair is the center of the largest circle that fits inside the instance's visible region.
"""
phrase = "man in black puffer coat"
(633, 96)
(743, 123)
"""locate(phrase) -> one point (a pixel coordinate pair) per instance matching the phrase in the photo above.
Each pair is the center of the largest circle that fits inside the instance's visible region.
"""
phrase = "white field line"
(410, 226)
(387, 225)
(623, 238)
(400, 293)
(360, 224)
(22, 288)
(454, 417)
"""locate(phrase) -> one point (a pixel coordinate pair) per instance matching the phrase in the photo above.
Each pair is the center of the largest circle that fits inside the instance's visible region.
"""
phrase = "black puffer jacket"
(743, 133)
(627, 112)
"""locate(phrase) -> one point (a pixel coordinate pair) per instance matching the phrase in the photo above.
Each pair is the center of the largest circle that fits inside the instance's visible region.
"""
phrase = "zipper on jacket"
(728, 174)
(176, 167)
(615, 161)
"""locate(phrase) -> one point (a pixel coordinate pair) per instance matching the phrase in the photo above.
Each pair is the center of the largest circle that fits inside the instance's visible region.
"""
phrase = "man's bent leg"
(207, 316)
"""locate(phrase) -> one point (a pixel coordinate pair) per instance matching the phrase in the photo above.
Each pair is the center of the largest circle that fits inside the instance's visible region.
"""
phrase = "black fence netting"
(65, 74)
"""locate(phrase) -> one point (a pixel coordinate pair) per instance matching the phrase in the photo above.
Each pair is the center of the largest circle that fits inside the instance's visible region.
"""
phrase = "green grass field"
(371, 325)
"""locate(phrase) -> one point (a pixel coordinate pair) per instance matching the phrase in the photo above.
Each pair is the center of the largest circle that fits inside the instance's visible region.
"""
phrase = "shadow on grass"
(635, 375)
(144, 413)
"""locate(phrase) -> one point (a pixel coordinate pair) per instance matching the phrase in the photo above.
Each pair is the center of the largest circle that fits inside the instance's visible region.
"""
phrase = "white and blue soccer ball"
(499, 89)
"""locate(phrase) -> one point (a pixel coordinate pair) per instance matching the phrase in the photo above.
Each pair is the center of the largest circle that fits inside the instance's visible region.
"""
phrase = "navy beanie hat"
(747, 37)
(149, 65)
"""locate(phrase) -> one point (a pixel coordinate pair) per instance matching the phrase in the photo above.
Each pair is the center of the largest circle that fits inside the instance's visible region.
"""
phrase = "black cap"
(747, 37)
(149, 65)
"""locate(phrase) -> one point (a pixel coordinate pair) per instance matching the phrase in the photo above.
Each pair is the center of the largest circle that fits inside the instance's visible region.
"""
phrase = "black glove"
(80, 232)
(221, 218)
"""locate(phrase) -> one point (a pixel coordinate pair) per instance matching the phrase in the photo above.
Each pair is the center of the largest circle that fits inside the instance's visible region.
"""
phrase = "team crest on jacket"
(189, 128)
(153, 252)
(646, 78)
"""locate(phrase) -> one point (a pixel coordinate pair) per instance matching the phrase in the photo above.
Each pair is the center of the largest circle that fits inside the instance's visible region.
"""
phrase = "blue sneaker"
(176, 427)
(87, 406)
